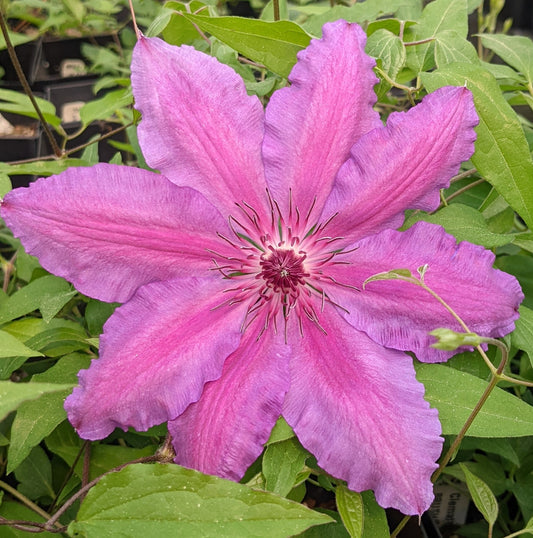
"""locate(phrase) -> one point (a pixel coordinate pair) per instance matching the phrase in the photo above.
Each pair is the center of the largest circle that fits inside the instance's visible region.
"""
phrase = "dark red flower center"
(283, 270)
(280, 267)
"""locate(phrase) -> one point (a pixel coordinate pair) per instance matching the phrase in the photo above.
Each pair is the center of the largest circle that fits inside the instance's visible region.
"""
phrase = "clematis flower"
(241, 266)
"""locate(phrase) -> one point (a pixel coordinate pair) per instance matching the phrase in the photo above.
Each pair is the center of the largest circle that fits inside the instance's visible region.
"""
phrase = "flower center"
(280, 267)
(283, 270)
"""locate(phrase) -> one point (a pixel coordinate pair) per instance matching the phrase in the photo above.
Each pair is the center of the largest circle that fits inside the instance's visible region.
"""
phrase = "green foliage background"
(48, 331)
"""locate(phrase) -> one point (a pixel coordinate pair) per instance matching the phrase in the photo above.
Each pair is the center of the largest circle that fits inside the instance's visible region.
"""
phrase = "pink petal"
(224, 432)
(110, 229)
(157, 352)
(199, 127)
(400, 314)
(311, 126)
(403, 165)
(359, 409)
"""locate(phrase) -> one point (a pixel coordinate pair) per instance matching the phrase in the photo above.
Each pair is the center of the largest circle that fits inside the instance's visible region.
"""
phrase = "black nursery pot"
(23, 143)
(63, 58)
(68, 97)
(29, 55)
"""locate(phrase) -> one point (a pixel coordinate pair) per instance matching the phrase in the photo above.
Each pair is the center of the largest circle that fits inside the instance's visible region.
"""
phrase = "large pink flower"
(241, 266)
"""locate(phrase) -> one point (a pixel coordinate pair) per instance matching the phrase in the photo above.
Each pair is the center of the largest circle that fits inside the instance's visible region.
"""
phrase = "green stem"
(400, 526)
(28, 526)
(68, 476)
(460, 191)
(275, 4)
(457, 441)
(393, 83)
(421, 42)
(27, 90)
(518, 533)
(22, 498)
(444, 304)
(463, 175)
(496, 377)
(134, 21)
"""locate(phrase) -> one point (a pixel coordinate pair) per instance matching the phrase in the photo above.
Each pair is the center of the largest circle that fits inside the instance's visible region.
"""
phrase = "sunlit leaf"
(351, 508)
(282, 462)
(37, 418)
(455, 394)
(522, 337)
(482, 496)
(12, 347)
(188, 504)
(12, 395)
(502, 154)
(272, 44)
(465, 224)
(517, 51)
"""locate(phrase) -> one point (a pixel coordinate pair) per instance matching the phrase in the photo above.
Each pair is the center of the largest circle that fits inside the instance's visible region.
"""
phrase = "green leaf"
(59, 341)
(394, 274)
(12, 347)
(517, 51)
(482, 496)
(451, 47)
(35, 475)
(25, 265)
(12, 395)
(282, 463)
(5, 184)
(77, 9)
(159, 23)
(188, 504)
(455, 394)
(504, 73)
(96, 314)
(65, 443)
(465, 224)
(500, 446)
(19, 103)
(502, 154)
(359, 12)
(36, 419)
(521, 266)
(351, 508)
(488, 469)
(374, 519)
(105, 107)
(390, 50)
(273, 44)
(522, 337)
(179, 30)
(437, 17)
(48, 294)
(16, 39)
(16, 510)
(9, 365)
(280, 432)
(41, 168)
(336, 529)
(522, 491)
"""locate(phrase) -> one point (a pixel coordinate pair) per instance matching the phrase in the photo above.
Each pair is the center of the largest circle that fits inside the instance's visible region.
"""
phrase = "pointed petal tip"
(157, 352)
(366, 421)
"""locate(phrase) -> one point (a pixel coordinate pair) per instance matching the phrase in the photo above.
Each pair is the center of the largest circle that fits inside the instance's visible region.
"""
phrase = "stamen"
(276, 270)
(308, 216)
